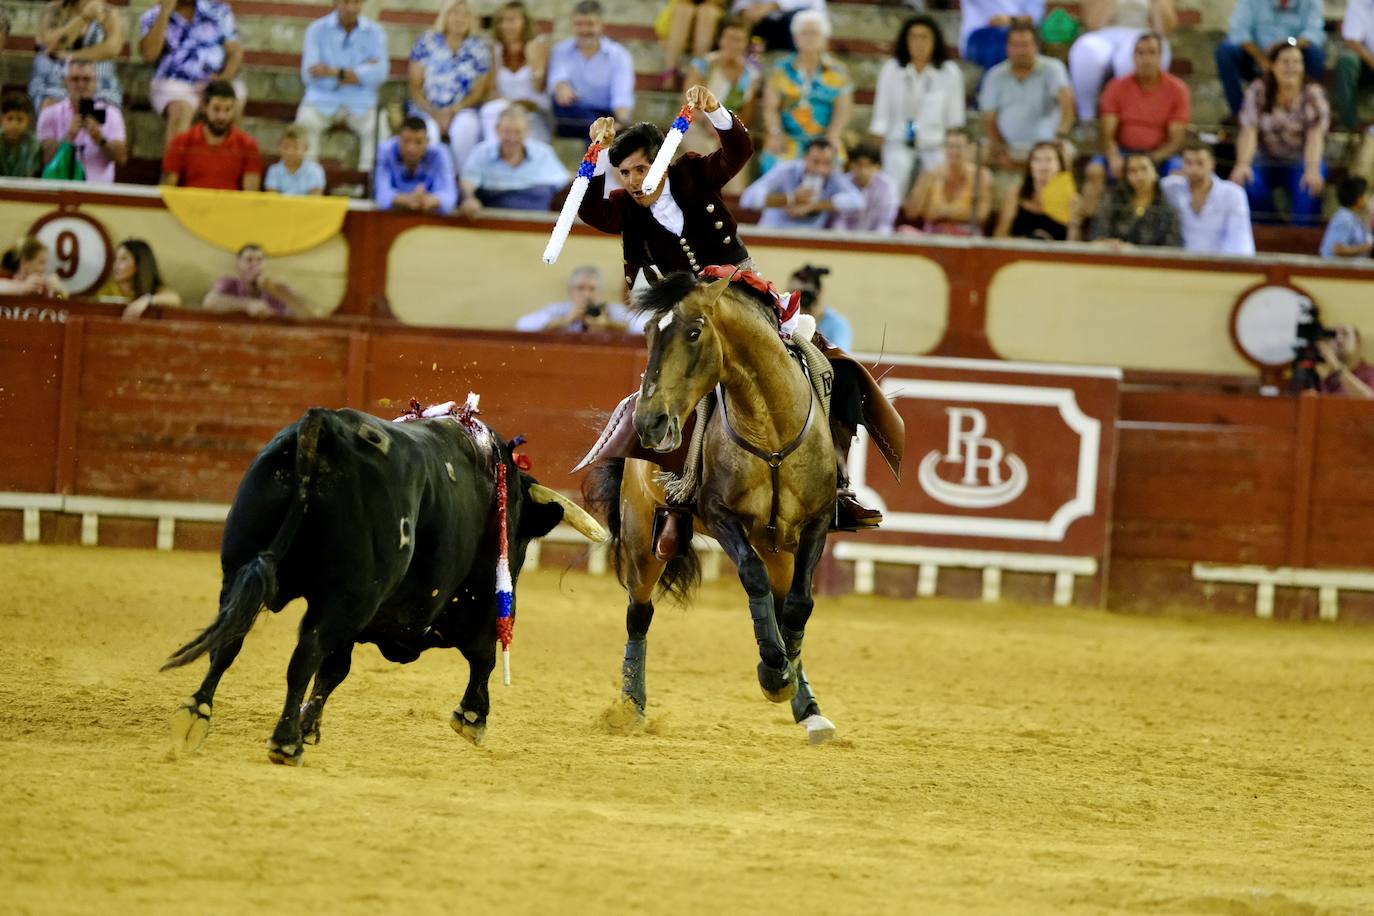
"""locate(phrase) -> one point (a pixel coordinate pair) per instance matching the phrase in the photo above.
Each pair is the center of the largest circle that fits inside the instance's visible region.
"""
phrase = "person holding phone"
(95, 129)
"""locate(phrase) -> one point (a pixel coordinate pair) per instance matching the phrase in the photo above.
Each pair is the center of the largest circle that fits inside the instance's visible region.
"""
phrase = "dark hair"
(147, 278)
(866, 149)
(16, 101)
(938, 55)
(642, 136)
(251, 246)
(1271, 82)
(1126, 193)
(1152, 36)
(1351, 190)
(732, 22)
(1023, 24)
(26, 249)
(219, 89)
(811, 274)
(588, 8)
(1028, 183)
(821, 142)
(1195, 145)
(414, 123)
(526, 33)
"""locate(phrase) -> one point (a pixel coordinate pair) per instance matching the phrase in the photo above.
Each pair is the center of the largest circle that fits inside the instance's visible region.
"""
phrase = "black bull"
(389, 531)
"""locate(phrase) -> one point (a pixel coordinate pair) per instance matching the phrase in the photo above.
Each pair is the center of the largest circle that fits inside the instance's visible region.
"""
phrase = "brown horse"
(767, 483)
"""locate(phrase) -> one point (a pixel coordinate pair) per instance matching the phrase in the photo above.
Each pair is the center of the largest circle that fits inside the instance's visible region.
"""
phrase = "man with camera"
(94, 129)
(1347, 372)
(585, 310)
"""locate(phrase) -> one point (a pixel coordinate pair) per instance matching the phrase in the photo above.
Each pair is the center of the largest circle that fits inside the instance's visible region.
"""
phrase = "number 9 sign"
(79, 251)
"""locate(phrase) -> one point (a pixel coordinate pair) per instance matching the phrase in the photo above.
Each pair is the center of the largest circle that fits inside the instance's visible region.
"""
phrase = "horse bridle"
(774, 459)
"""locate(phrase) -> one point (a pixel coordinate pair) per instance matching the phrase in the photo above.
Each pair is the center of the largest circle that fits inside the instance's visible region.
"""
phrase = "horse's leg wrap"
(632, 682)
(775, 673)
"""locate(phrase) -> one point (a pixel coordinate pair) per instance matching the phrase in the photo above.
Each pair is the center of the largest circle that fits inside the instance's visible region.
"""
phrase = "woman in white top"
(920, 96)
(1107, 46)
(521, 61)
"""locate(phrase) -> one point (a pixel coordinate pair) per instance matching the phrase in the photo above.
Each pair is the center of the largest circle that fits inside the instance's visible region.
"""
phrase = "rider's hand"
(603, 131)
(702, 99)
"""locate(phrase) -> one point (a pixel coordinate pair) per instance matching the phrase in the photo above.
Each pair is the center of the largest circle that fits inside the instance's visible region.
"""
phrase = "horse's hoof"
(469, 725)
(779, 684)
(286, 754)
(819, 729)
(190, 726)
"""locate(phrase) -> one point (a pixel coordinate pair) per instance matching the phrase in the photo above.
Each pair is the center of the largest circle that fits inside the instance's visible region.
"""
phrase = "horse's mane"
(660, 297)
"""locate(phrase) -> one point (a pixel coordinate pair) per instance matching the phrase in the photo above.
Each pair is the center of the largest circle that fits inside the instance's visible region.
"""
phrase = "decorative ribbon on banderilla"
(572, 203)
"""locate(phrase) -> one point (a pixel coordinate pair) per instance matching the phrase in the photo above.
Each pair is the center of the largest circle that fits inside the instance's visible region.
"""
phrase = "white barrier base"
(1327, 582)
(929, 560)
(90, 508)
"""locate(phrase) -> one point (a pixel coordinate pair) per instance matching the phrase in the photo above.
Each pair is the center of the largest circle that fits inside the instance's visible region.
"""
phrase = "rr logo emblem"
(981, 482)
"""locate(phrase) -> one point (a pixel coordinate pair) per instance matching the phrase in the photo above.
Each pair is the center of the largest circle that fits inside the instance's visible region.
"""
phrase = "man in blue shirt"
(511, 170)
(1348, 235)
(1256, 26)
(590, 75)
(413, 176)
(342, 64)
(803, 193)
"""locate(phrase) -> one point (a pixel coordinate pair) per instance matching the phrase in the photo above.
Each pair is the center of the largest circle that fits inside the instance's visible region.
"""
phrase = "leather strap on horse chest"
(774, 459)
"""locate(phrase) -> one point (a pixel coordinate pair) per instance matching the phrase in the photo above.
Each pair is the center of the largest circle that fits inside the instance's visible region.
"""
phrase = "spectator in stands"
(1025, 100)
(190, 43)
(803, 193)
(1213, 214)
(1347, 372)
(920, 96)
(983, 27)
(697, 20)
(1108, 47)
(585, 309)
(412, 175)
(450, 76)
(1355, 66)
(95, 129)
(1136, 213)
(944, 200)
(771, 20)
(1283, 126)
(521, 61)
(809, 94)
(734, 79)
(136, 281)
(251, 291)
(214, 153)
(1026, 214)
(342, 64)
(1348, 234)
(88, 30)
(833, 326)
(591, 76)
(20, 156)
(511, 170)
(1258, 25)
(879, 212)
(5, 26)
(24, 271)
(293, 174)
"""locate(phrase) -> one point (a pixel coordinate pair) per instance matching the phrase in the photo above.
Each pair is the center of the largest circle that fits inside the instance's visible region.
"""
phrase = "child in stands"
(293, 174)
(19, 153)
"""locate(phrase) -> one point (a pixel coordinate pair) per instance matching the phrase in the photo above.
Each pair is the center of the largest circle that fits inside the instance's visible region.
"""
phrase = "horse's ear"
(711, 295)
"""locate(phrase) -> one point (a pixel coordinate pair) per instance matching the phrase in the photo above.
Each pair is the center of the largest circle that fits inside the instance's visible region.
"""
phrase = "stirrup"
(852, 515)
(672, 532)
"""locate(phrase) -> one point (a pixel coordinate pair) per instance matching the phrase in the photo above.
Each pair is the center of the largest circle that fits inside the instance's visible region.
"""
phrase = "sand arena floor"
(996, 760)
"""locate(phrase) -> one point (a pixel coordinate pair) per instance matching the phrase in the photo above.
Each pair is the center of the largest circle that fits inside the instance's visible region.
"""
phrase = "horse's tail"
(255, 582)
(601, 492)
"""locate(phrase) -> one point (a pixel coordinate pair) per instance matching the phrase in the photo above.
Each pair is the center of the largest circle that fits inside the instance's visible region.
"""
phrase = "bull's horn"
(573, 514)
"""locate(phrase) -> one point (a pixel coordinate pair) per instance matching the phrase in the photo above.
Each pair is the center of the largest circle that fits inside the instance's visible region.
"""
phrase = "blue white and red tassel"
(676, 132)
(571, 205)
(505, 590)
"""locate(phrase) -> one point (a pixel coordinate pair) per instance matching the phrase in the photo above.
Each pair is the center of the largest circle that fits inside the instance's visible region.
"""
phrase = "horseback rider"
(684, 225)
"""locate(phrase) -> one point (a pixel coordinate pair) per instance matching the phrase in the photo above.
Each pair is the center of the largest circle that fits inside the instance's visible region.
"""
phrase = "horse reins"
(774, 459)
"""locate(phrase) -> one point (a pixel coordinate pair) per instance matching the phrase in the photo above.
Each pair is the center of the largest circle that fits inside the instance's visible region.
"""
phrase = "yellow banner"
(231, 219)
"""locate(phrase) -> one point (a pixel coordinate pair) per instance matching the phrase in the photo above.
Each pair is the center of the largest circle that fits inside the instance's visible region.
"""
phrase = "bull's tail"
(601, 491)
(255, 583)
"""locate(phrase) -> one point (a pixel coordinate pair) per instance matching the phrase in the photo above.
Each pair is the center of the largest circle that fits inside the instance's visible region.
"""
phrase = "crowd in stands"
(482, 102)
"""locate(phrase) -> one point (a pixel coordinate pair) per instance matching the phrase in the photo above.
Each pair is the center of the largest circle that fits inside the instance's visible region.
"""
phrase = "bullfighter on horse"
(684, 225)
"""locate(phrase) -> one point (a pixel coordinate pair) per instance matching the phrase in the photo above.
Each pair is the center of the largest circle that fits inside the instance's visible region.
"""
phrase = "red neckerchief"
(786, 309)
